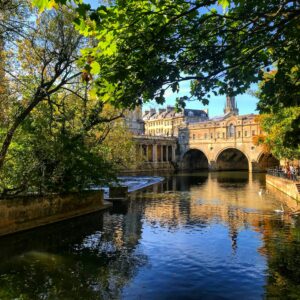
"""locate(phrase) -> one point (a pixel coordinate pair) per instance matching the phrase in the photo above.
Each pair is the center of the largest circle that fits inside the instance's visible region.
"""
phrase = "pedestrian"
(291, 172)
(287, 171)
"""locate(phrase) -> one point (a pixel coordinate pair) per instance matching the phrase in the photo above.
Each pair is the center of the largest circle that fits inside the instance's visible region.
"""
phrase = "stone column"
(154, 153)
(167, 153)
(173, 153)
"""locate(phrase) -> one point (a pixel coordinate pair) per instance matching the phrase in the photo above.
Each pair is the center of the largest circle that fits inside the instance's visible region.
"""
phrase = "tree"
(55, 123)
(53, 152)
(280, 129)
(45, 63)
(278, 96)
(146, 47)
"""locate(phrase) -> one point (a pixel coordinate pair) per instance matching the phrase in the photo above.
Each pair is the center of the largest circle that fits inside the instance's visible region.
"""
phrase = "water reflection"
(87, 258)
(200, 235)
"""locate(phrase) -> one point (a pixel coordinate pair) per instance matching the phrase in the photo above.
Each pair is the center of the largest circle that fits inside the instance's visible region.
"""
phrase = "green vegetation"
(54, 129)
(280, 118)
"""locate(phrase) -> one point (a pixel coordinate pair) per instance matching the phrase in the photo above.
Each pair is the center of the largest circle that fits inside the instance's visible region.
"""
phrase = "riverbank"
(25, 213)
(286, 186)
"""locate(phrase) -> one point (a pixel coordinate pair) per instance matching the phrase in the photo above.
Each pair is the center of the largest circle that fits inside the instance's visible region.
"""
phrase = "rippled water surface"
(194, 236)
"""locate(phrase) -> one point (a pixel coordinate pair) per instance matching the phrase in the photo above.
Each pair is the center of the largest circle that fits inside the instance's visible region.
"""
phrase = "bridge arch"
(232, 159)
(194, 159)
(267, 161)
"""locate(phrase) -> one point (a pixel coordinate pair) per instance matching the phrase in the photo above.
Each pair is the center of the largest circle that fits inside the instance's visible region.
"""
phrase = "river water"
(193, 236)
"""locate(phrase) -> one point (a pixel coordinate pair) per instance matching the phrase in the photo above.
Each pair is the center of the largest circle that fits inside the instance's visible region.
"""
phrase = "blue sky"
(246, 103)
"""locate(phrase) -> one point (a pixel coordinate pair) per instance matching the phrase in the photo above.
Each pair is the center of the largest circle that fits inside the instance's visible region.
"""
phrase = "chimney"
(161, 110)
(152, 111)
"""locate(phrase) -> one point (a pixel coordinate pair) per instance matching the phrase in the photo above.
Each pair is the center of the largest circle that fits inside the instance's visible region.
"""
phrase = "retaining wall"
(286, 186)
(29, 212)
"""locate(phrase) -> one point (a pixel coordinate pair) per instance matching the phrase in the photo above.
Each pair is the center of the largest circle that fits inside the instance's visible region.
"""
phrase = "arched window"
(231, 130)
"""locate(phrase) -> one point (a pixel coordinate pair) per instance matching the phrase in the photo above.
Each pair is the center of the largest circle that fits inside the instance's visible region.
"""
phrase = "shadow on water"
(200, 235)
(76, 259)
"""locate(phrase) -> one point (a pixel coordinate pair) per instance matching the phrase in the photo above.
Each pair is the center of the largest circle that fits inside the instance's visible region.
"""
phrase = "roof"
(170, 112)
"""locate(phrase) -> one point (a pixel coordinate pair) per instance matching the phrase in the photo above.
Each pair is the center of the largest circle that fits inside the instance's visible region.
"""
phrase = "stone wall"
(286, 186)
(29, 212)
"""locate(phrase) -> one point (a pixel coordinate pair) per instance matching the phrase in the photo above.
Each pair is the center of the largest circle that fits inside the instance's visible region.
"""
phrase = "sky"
(245, 102)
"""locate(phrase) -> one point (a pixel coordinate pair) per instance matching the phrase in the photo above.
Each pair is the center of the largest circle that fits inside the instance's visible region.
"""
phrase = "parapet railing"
(155, 137)
(284, 174)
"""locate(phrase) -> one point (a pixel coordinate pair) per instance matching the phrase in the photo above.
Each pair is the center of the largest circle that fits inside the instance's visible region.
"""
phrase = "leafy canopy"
(143, 48)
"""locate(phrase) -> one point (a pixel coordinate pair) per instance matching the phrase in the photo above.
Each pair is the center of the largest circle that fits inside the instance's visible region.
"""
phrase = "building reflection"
(96, 256)
(231, 199)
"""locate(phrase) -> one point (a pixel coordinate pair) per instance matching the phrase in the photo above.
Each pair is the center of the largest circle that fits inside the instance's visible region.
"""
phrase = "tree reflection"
(81, 259)
(283, 248)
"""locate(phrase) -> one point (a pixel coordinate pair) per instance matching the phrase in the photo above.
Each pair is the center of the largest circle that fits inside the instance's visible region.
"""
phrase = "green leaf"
(43, 4)
(95, 68)
(224, 3)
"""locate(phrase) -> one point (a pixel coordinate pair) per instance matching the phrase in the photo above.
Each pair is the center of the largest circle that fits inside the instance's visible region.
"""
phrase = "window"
(194, 136)
(239, 134)
(211, 136)
(245, 134)
(223, 135)
(253, 132)
(231, 130)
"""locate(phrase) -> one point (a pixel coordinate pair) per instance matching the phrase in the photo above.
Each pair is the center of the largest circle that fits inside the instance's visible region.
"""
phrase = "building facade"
(166, 121)
(190, 140)
(224, 143)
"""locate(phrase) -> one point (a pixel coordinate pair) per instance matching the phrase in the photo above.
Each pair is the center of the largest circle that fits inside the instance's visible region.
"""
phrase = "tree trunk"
(11, 131)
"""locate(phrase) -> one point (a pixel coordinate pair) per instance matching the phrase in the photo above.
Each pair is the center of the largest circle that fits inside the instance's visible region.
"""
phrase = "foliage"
(40, 63)
(279, 99)
(282, 132)
(54, 127)
(52, 152)
(145, 47)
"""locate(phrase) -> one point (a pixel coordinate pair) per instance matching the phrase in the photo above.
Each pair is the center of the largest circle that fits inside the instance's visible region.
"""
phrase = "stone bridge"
(229, 155)
(166, 153)
(225, 144)
(218, 144)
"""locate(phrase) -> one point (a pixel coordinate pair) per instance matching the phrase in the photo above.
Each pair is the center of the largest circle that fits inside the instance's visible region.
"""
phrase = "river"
(193, 236)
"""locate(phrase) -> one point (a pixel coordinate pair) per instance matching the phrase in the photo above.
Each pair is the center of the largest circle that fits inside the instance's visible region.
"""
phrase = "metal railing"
(293, 176)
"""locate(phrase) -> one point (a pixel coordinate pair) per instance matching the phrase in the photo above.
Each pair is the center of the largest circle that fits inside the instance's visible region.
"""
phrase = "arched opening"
(268, 161)
(232, 159)
(194, 159)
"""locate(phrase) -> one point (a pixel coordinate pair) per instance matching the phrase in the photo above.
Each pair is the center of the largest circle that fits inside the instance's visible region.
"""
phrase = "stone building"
(166, 121)
(224, 143)
(189, 140)
(134, 121)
